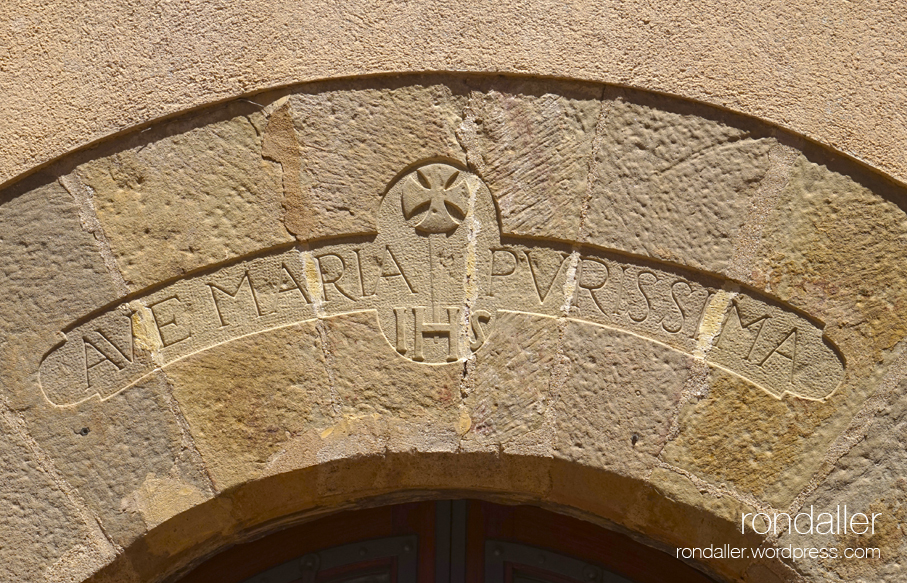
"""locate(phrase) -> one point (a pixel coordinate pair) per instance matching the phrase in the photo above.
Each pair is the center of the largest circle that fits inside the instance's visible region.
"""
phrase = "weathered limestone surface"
(647, 311)
(365, 386)
(751, 441)
(244, 399)
(671, 184)
(46, 533)
(52, 268)
(510, 393)
(618, 398)
(131, 457)
(55, 267)
(350, 142)
(868, 479)
(828, 248)
(187, 194)
(523, 140)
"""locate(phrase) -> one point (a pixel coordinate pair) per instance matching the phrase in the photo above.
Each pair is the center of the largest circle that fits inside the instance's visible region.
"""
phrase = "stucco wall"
(74, 72)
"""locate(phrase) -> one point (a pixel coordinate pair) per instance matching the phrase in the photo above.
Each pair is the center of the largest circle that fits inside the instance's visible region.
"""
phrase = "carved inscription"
(776, 348)
(436, 274)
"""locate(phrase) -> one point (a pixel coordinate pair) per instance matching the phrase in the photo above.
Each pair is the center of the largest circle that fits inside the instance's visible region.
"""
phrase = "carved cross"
(440, 188)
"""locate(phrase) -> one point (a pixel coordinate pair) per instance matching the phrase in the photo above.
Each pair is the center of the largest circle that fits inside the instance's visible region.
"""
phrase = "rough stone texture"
(532, 148)
(508, 391)
(51, 273)
(244, 400)
(355, 141)
(827, 247)
(51, 270)
(868, 479)
(45, 535)
(187, 194)
(669, 183)
(368, 379)
(128, 456)
(723, 523)
(833, 248)
(618, 398)
(743, 437)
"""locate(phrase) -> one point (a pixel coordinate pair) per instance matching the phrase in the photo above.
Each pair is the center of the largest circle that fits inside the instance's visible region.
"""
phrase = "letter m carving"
(739, 336)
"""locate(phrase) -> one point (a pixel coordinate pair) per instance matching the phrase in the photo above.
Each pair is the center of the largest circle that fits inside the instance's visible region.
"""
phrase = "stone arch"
(271, 504)
(702, 317)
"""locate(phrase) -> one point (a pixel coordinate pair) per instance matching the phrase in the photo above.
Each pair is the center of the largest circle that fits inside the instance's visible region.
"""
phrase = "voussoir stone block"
(46, 534)
(532, 145)
(618, 398)
(749, 440)
(836, 249)
(352, 143)
(508, 391)
(669, 183)
(186, 194)
(247, 399)
(366, 383)
(51, 268)
(130, 456)
(866, 479)
(98, 449)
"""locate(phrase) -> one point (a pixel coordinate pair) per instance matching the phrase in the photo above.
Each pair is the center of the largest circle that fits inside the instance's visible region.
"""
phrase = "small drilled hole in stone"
(83, 432)
(634, 438)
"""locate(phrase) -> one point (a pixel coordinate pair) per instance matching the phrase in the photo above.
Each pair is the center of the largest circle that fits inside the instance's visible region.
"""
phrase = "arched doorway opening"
(446, 541)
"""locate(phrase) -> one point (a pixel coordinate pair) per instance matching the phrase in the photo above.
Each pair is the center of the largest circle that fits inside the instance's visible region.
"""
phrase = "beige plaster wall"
(72, 72)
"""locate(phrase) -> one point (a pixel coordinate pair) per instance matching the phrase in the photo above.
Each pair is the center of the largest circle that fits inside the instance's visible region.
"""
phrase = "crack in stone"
(697, 386)
(313, 281)
(560, 367)
(597, 144)
(19, 426)
(762, 203)
(88, 217)
(187, 441)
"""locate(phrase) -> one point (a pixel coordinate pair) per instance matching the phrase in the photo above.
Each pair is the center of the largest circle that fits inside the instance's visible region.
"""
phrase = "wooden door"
(454, 541)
